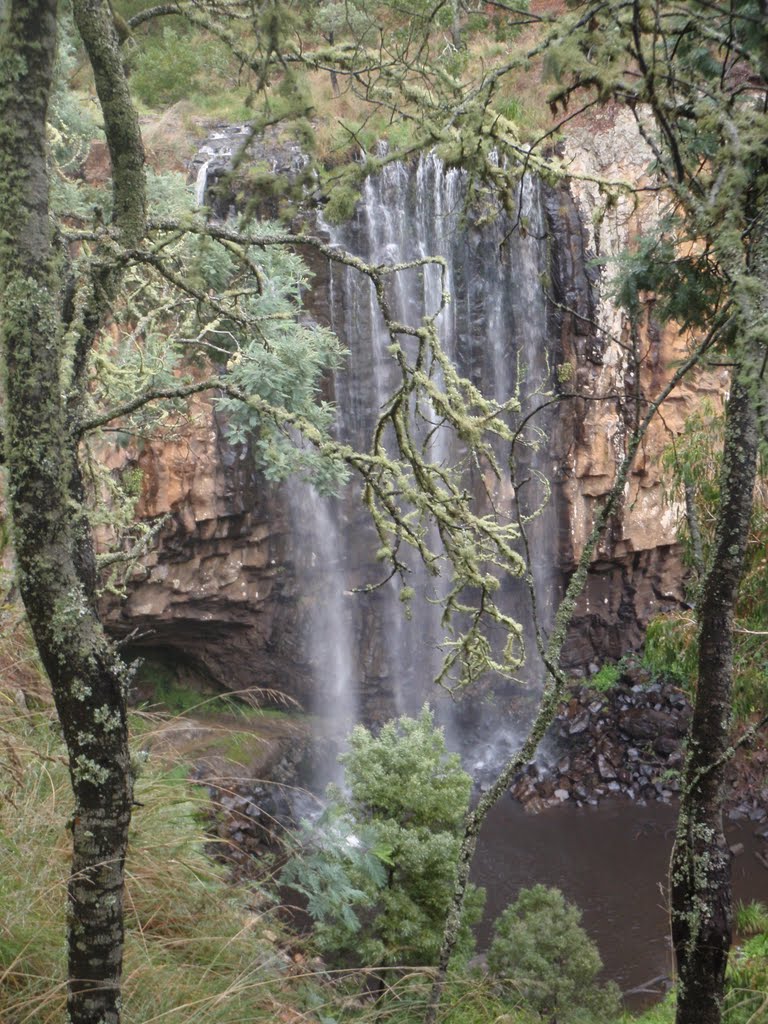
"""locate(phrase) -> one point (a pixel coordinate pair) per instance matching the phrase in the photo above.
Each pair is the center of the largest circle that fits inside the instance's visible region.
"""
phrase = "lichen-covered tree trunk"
(700, 874)
(52, 542)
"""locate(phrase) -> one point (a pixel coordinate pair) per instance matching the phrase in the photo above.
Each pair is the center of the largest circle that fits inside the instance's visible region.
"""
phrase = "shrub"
(341, 204)
(606, 678)
(541, 956)
(173, 67)
(404, 809)
(670, 648)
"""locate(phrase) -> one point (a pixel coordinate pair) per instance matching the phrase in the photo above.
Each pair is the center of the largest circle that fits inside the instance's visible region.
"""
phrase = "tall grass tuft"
(198, 948)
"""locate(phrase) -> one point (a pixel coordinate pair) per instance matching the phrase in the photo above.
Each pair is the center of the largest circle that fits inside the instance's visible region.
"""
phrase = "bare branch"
(153, 12)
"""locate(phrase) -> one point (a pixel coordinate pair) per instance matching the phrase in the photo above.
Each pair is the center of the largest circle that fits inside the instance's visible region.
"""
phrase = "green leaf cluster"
(283, 362)
(337, 864)
(541, 955)
(380, 879)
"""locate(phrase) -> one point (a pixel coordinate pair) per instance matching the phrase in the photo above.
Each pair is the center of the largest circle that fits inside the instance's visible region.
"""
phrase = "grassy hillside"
(198, 948)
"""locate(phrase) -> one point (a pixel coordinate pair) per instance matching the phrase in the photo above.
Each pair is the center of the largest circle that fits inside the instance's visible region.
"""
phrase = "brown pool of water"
(612, 862)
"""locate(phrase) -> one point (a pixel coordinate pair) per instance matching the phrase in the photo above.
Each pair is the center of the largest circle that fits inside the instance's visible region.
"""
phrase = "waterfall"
(215, 157)
(201, 183)
(365, 657)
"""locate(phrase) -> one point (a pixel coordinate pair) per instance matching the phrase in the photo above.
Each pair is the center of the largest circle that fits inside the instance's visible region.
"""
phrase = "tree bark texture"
(700, 873)
(52, 541)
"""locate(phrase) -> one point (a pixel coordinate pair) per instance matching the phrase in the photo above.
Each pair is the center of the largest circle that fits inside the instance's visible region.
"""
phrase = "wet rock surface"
(247, 820)
(232, 148)
(626, 741)
(629, 741)
(250, 815)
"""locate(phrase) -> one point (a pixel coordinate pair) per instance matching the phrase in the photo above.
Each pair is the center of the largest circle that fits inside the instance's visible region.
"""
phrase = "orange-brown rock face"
(212, 591)
(637, 571)
(221, 589)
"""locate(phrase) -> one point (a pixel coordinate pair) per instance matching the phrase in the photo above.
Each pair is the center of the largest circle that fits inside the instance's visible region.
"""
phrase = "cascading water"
(367, 659)
(215, 156)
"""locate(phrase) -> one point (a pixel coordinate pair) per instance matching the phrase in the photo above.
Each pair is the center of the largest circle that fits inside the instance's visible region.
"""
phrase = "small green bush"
(606, 678)
(390, 843)
(341, 205)
(541, 956)
(172, 67)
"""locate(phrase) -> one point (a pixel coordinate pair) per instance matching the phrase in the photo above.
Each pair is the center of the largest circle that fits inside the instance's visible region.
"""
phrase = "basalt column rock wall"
(638, 570)
(240, 569)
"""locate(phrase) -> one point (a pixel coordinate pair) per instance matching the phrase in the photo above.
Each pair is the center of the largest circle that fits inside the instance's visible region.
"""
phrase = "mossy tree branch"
(555, 684)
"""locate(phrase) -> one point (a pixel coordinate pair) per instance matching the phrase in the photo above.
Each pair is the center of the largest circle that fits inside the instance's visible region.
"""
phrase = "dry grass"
(198, 949)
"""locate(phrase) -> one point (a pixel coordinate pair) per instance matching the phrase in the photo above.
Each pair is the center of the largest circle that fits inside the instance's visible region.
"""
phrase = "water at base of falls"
(368, 661)
(590, 854)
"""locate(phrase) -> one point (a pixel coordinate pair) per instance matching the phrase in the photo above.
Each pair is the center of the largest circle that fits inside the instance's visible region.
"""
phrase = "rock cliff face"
(638, 570)
(215, 594)
(221, 591)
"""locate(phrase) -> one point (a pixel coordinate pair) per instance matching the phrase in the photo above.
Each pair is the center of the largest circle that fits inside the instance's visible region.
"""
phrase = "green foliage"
(71, 128)
(693, 463)
(258, 336)
(606, 678)
(406, 774)
(662, 1013)
(170, 67)
(541, 955)
(283, 364)
(747, 977)
(671, 650)
(71, 123)
(326, 857)
(345, 19)
(392, 849)
(688, 287)
(341, 204)
(693, 460)
(751, 918)
(166, 689)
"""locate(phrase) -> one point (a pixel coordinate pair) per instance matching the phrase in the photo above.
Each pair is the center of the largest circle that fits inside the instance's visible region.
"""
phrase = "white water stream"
(366, 659)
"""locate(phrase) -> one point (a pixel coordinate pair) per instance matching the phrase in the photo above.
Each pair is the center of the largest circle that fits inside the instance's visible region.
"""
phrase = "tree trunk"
(456, 37)
(53, 546)
(700, 873)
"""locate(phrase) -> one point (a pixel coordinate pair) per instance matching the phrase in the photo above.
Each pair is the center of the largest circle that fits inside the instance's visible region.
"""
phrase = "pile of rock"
(627, 741)
(249, 816)
(247, 821)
